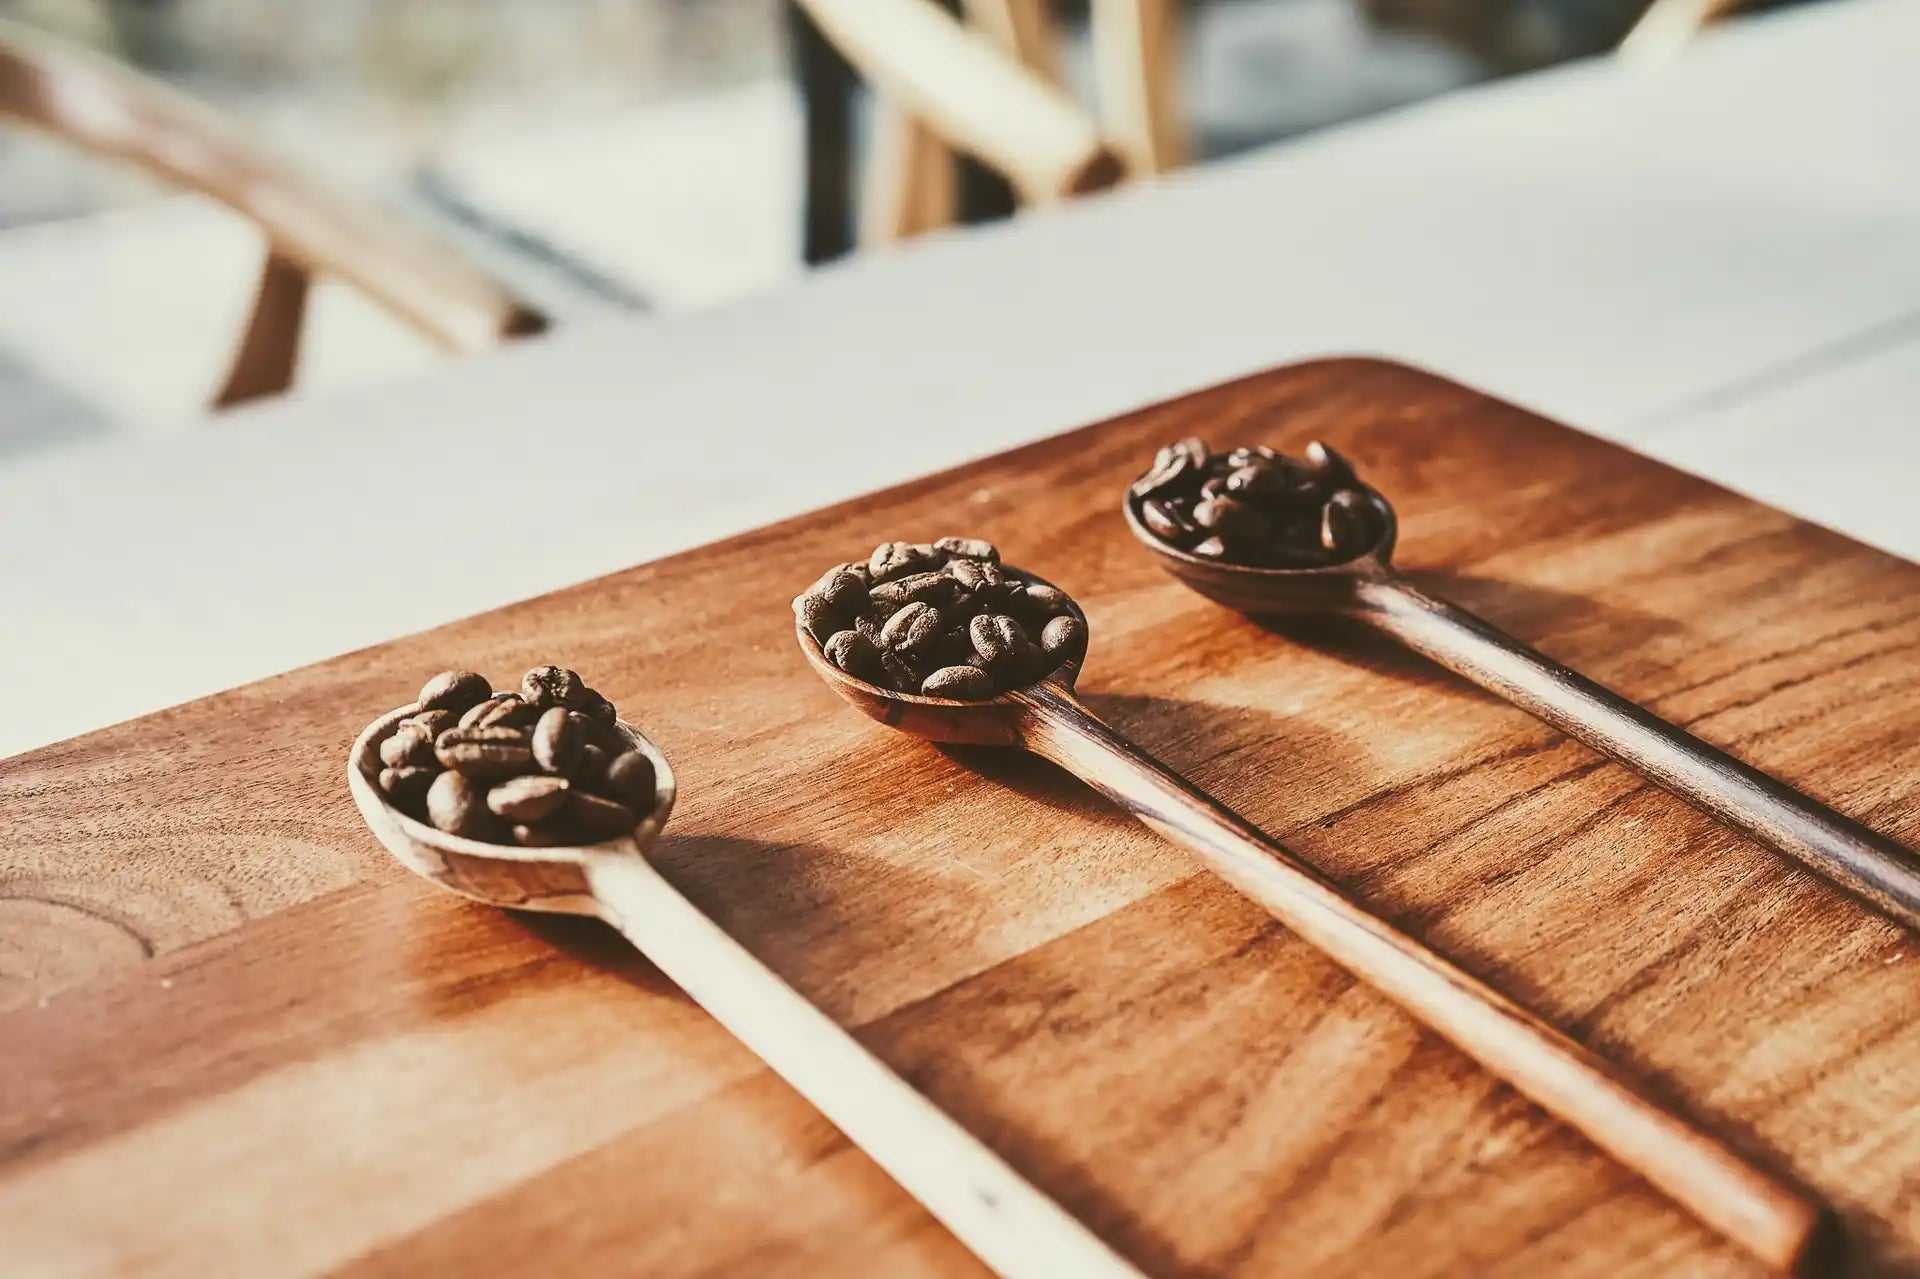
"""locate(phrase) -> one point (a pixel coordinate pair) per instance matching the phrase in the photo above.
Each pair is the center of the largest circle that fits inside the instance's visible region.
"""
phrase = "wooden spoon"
(1368, 587)
(1776, 1222)
(1009, 1225)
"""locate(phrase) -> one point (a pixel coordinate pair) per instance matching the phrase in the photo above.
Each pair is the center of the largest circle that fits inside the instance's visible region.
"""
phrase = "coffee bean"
(589, 766)
(1213, 488)
(969, 548)
(485, 754)
(900, 559)
(1211, 549)
(1063, 638)
(1251, 455)
(936, 589)
(546, 686)
(599, 818)
(855, 654)
(558, 737)
(910, 628)
(1345, 523)
(528, 799)
(902, 674)
(453, 691)
(630, 780)
(840, 587)
(1227, 518)
(998, 639)
(1045, 601)
(434, 722)
(407, 747)
(599, 709)
(1176, 468)
(1331, 470)
(1166, 521)
(1264, 483)
(407, 787)
(819, 618)
(964, 683)
(974, 575)
(457, 805)
(502, 710)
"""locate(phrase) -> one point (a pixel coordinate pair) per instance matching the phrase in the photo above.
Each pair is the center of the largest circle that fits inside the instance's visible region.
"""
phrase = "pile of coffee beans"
(1255, 506)
(540, 767)
(942, 619)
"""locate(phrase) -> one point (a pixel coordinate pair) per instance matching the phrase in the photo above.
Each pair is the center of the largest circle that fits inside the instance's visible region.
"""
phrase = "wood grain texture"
(219, 997)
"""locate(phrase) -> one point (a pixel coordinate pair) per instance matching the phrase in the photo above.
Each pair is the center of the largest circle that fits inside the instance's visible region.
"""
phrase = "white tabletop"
(1718, 263)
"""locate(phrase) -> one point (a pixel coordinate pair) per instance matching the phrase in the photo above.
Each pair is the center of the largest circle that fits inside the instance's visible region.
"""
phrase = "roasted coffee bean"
(1265, 483)
(999, 640)
(1044, 600)
(902, 674)
(547, 835)
(599, 709)
(936, 589)
(974, 575)
(969, 548)
(529, 799)
(1167, 521)
(819, 618)
(1211, 549)
(855, 654)
(966, 683)
(458, 805)
(912, 627)
(485, 754)
(901, 559)
(453, 691)
(502, 710)
(407, 787)
(1344, 523)
(1233, 520)
(558, 737)
(1063, 637)
(546, 686)
(589, 766)
(433, 722)
(1331, 470)
(630, 779)
(840, 587)
(1215, 487)
(599, 818)
(408, 746)
(1176, 468)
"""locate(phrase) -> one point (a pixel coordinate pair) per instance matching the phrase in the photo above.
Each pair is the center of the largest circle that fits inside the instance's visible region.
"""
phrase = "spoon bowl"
(549, 879)
(1259, 590)
(991, 721)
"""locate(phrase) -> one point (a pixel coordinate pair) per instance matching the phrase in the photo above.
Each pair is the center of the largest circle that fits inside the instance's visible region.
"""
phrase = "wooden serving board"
(236, 1039)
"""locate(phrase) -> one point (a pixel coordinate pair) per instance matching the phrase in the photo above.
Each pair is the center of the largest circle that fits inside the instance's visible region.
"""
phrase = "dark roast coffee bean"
(936, 589)
(819, 618)
(1177, 467)
(407, 787)
(912, 627)
(599, 818)
(901, 559)
(1344, 523)
(1045, 600)
(630, 779)
(1251, 455)
(453, 691)
(529, 799)
(1225, 517)
(1167, 521)
(902, 674)
(457, 805)
(969, 548)
(840, 587)
(408, 747)
(964, 683)
(1063, 638)
(589, 766)
(433, 722)
(998, 639)
(1211, 549)
(599, 709)
(855, 654)
(974, 575)
(1329, 469)
(546, 686)
(558, 737)
(485, 754)
(1264, 483)
(1215, 487)
(502, 710)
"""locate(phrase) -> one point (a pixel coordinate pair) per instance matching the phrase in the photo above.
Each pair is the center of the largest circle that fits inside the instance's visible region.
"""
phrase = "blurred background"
(598, 156)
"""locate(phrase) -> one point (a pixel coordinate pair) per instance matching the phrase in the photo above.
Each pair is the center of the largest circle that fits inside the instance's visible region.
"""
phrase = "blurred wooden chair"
(987, 88)
(103, 108)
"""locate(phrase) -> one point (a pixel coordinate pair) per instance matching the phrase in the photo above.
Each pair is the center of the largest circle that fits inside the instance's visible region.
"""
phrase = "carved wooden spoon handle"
(1006, 1222)
(1772, 1220)
(1863, 861)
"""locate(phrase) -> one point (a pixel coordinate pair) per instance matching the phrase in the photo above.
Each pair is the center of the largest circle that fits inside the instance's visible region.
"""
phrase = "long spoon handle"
(1859, 859)
(1777, 1223)
(1017, 1231)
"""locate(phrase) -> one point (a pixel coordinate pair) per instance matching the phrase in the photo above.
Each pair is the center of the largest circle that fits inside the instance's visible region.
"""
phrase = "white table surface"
(1717, 263)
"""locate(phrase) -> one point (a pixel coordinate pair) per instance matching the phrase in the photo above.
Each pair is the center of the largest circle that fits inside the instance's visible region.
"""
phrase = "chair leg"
(910, 179)
(1137, 58)
(269, 350)
(827, 84)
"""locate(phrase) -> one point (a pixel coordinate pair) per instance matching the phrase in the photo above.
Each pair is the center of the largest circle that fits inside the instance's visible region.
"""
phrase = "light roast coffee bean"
(913, 626)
